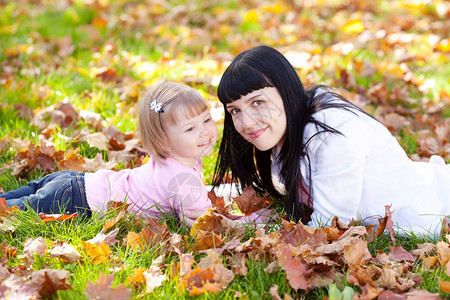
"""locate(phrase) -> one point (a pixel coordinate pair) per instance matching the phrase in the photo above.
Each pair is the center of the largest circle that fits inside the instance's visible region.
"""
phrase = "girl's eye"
(189, 129)
(207, 120)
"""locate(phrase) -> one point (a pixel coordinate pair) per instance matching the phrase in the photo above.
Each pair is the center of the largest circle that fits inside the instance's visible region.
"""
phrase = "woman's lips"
(257, 133)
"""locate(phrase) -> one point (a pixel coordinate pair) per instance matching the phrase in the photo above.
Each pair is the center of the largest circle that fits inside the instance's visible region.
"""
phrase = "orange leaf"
(98, 254)
(134, 240)
(56, 217)
(444, 286)
(137, 279)
(4, 209)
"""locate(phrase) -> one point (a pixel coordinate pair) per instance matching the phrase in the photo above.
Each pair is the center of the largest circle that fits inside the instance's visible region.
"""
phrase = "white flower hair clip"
(157, 107)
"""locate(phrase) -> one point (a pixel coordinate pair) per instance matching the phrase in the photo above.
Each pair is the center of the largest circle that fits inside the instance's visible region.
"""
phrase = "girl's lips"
(205, 143)
(257, 133)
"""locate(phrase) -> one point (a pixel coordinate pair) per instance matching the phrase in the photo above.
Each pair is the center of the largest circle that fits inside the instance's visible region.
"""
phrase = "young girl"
(320, 151)
(177, 130)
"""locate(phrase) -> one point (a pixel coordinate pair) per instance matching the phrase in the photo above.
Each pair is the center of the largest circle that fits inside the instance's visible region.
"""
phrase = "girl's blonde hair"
(176, 100)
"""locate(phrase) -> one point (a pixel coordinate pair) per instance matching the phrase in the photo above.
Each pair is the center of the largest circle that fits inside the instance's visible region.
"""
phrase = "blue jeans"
(60, 192)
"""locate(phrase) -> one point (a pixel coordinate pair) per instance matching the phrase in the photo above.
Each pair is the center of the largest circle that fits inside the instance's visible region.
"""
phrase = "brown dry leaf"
(73, 162)
(370, 292)
(274, 292)
(357, 254)
(13, 287)
(65, 252)
(218, 203)
(238, 264)
(443, 251)
(388, 279)
(34, 246)
(56, 217)
(207, 240)
(102, 289)
(399, 254)
(154, 232)
(389, 222)
(414, 294)
(248, 202)
(49, 281)
(98, 254)
(109, 239)
(423, 249)
(295, 268)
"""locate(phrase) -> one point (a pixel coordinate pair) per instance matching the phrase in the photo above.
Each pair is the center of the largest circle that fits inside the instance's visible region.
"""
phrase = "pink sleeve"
(189, 196)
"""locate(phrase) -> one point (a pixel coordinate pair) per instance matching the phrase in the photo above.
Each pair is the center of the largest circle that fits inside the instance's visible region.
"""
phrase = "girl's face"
(191, 138)
(260, 118)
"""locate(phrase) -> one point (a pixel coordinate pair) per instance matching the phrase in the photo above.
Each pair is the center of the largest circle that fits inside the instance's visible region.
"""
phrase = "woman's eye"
(257, 102)
(234, 111)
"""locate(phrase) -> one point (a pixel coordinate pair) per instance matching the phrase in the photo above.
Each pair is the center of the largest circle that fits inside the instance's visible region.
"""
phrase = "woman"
(320, 151)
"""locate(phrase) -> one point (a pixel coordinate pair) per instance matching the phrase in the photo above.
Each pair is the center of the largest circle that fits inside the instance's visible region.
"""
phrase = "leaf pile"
(309, 258)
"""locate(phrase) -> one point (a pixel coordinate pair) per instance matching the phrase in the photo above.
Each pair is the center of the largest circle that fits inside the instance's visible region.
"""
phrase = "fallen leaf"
(65, 253)
(102, 289)
(99, 254)
(56, 217)
(49, 281)
(295, 268)
(109, 239)
(249, 202)
(33, 246)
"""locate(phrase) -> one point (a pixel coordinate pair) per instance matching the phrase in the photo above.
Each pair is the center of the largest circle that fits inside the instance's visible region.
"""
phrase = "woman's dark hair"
(239, 160)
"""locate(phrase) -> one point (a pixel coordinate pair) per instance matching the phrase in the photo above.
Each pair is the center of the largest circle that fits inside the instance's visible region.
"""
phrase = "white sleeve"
(337, 173)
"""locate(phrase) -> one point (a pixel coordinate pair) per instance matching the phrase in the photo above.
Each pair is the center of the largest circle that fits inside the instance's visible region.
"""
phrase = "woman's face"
(260, 118)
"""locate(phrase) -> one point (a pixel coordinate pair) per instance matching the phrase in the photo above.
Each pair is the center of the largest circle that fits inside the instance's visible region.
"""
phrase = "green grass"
(34, 74)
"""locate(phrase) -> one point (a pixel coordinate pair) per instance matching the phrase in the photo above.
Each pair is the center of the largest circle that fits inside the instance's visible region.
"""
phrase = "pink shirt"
(151, 189)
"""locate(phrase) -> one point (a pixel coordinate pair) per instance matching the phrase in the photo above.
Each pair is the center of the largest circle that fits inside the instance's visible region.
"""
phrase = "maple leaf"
(249, 202)
(34, 246)
(5, 210)
(49, 281)
(444, 286)
(13, 287)
(65, 252)
(295, 268)
(56, 217)
(72, 161)
(102, 289)
(422, 294)
(98, 253)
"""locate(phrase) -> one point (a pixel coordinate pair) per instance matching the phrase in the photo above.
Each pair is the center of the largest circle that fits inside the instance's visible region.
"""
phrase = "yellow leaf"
(251, 16)
(353, 26)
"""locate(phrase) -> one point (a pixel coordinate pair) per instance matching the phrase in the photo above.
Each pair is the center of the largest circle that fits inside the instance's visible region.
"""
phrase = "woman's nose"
(248, 120)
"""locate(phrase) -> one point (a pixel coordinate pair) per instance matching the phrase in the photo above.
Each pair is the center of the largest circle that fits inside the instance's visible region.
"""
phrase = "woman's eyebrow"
(230, 105)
